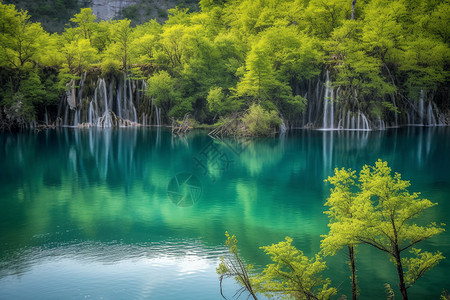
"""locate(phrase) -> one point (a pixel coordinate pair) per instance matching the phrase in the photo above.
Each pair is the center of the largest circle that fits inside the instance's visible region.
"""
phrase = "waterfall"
(424, 112)
(157, 113)
(119, 100)
(75, 122)
(70, 94)
(332, 109)
(381, 124)
(325, 111)
(158, 116)
(357, 121)
(91, 113)
(395, 112)
(283, 128)
(105, 94)
(66, 115)
(431, 120)
(364, 122)
(421, 114)
(132, 109)
(46, 116)
(328, 106)
(100, 108)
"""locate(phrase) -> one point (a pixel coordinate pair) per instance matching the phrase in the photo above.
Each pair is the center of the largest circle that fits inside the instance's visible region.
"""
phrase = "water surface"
(87, 213)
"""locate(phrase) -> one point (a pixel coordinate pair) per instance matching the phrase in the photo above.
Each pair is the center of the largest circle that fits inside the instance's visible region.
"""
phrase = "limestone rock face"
(108, 9)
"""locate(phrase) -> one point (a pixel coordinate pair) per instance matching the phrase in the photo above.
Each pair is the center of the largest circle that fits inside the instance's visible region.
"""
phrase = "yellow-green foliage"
(260, 122)
(293, 274)
(420, 263)
(232, 266)
(343, 204)
(378, 210)
(392, 210)
(373, 208)
(255, 51)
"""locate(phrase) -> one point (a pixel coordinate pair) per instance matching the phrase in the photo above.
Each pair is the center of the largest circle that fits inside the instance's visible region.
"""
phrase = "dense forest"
(363, 64)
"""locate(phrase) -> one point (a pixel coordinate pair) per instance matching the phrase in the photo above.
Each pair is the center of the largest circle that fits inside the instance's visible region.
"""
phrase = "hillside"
(363, 67)
(55, 14)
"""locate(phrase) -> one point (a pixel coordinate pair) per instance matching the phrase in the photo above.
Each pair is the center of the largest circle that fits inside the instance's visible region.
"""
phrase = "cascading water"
(283, 128)
(395, 112)
(158, 116)
(356, 121)
(111, 102)
(46, 116)
(430, 116)
(331, 109)
(421, 114)
(424, 112)
(328, 105)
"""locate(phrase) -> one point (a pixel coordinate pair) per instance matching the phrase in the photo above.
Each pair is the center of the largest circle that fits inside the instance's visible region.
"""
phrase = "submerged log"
(183, 128)
(232, 126)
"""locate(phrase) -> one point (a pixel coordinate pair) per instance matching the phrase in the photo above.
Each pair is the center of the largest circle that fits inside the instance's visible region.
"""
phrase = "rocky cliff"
(55, 14)
(107, 9)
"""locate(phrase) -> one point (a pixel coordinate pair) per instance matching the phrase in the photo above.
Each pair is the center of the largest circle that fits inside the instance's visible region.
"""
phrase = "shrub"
(260, 122)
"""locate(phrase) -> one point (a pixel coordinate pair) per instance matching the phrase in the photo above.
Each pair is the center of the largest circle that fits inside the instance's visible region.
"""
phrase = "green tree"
(219, 103)
(378, 210)
(50, 53)
(358, 74)
(205, 66)
(172, 46)
(233, 266)
(85, 21)
(144, 47)
(382, 33)
(23, 47)
(344, 208)
(20, 39)
(101, 37)
(260, 122)
(268, 69)
(424, 63)
(295, 55)
(146, 42)
(436, 22)
(293, 274)
(161, 87)
(390, 227)
(122, 38)
(259, 78)
(324, 16)
(79, 55)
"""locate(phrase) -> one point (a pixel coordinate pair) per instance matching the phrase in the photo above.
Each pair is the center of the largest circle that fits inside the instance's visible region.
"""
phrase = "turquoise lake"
(135, 213)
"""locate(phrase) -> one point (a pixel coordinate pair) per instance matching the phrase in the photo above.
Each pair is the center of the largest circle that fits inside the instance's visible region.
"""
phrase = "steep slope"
(55, 14)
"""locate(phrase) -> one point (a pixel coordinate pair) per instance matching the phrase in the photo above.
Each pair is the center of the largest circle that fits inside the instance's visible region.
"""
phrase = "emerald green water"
(98, 213)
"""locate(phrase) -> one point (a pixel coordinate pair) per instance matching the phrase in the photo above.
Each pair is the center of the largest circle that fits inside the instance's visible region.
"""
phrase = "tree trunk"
(351, 252)
(398, 263)
(353, 9)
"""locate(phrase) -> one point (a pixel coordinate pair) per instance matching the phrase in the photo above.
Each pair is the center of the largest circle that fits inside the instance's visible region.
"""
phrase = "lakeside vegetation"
(233, 54)
(375, 209)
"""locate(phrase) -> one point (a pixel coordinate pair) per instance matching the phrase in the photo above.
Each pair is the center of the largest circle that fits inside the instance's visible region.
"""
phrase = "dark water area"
(134, 213)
